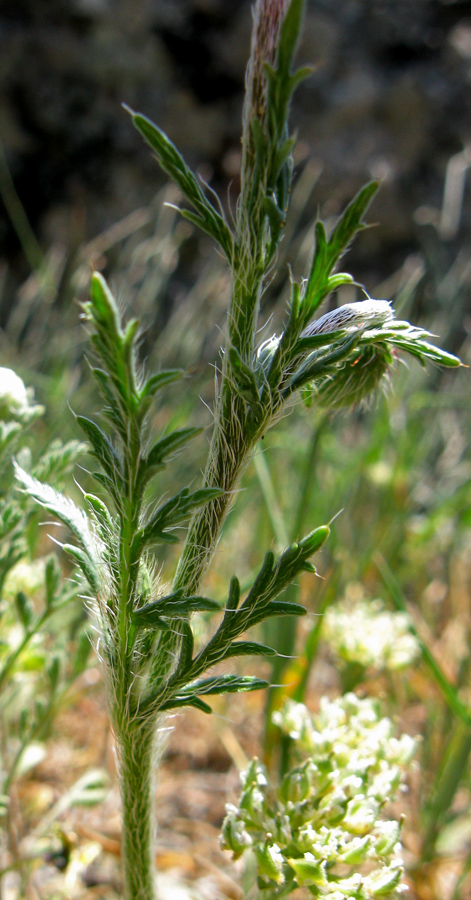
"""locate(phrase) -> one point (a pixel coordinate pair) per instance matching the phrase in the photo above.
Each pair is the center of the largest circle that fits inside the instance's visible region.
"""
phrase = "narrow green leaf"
(233, 599)
(276, 608)
(300, 75)
(225, 684)
(248, 648)
(156, 382)
(60, 506)
(424, 350)
(102, 309)
(204, 495)
(316, 341)
(351, 221)
(320, 366)
(86, 564)
(327, 253)
(175, 166)
(266, 573)
(174, 605)
(314, 540)
(52, 579)
(101, 511)
(186, 652)
(24, 609)
(105, 453)
(164, 537)
(176, 702)
(284, 150)
(243, 376)
(164, 448)
(289, 36)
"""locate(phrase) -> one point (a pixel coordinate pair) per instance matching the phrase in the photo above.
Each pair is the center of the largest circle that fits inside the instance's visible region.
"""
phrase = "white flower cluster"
(16, 401)
(323, 827)
(366, 634)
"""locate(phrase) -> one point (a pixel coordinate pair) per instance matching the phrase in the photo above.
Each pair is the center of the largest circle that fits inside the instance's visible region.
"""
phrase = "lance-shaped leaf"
(217, 684)
(287, 566)
(289, 36)
(115, 347)
(186, 651)
(243, 376)
(319, 365)
(207, 218)
(410, 343)
(115, 411)
(190, 700)
(163, 449)
(276, 608)
(156, 382)
(24, 609)
(328, 252)
(52, 576)
(225, 684)
(86, 564)
(249, 648)
(260, 603)
(169, 515)
(174, 605)
(232, 601)
(63, 508)
(104, 451)
(102, 514)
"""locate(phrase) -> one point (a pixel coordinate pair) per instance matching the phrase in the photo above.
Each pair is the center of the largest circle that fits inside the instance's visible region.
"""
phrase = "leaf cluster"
(260, 604)
(113, 541)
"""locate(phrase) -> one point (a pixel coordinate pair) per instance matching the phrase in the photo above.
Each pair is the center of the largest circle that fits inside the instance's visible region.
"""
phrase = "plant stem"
(228, 456)
(136, 745)
(236, 430)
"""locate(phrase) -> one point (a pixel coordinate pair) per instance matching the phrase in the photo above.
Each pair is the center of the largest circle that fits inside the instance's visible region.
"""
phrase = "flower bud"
(270, 861)
(295, 785)
(361, 815)
(234, 835)
(387, 835)
(309, 870)
(385, 880)
(356, 851)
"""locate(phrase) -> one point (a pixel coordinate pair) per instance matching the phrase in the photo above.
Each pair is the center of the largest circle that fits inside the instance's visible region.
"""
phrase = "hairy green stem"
(228, 457)
(136, 753)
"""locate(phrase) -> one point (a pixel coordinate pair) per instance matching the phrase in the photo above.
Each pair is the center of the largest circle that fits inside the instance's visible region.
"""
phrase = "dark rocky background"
(390, 98)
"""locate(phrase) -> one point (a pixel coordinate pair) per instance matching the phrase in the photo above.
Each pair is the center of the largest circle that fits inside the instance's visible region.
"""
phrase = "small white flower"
(366, 634)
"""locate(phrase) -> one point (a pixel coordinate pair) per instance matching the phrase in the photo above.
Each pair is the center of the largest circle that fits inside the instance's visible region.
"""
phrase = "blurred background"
(389, 99)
